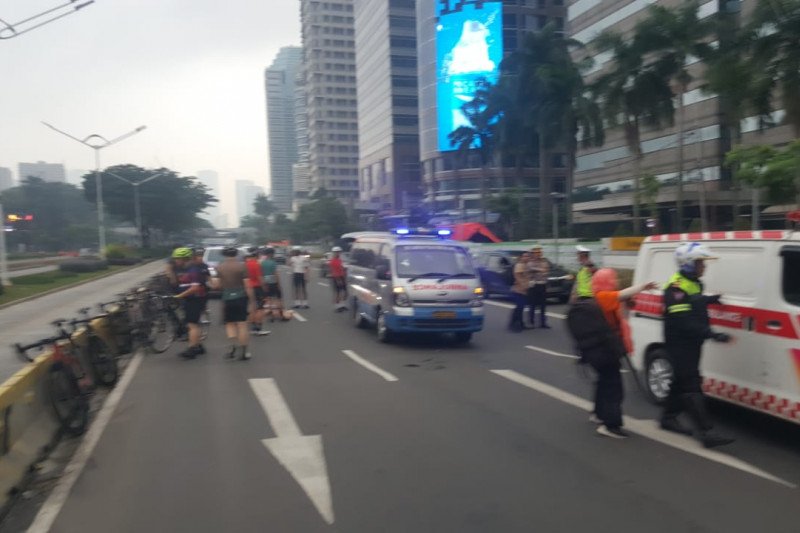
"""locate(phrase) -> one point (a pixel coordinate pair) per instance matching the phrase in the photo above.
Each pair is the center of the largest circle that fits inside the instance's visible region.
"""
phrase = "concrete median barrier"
(28, 427)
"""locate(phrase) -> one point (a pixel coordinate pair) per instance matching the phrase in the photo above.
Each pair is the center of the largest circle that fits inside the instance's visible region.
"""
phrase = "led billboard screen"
(469, 46)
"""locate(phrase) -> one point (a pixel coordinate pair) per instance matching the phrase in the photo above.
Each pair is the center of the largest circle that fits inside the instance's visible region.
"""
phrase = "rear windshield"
(419, 260)
(213, 255)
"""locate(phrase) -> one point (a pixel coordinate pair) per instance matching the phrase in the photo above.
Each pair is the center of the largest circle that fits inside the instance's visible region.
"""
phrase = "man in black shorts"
(238, 301)
(272, 287)
(191, 290)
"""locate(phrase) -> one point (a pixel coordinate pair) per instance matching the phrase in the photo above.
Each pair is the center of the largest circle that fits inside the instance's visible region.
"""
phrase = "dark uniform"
(686, 328)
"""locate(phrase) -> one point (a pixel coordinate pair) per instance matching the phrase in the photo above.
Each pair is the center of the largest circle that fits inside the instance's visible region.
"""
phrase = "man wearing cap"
(583, 279)
(539, 269)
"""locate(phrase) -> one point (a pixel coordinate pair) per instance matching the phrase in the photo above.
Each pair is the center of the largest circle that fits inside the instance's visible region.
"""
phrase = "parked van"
(411, 284)
(758, 276)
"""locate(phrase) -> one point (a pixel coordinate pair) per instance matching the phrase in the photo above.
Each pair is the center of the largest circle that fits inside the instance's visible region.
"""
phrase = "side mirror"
(383, 272)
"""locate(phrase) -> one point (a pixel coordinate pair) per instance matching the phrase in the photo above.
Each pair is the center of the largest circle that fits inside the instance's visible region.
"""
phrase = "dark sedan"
(496, 270)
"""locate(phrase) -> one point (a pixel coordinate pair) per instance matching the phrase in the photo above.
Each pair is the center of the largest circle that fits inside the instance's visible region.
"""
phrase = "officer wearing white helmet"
(686, 328)
(583, 279)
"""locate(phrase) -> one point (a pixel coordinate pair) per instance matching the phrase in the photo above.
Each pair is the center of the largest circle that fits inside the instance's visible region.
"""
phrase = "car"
(496, 269)
(212, 256)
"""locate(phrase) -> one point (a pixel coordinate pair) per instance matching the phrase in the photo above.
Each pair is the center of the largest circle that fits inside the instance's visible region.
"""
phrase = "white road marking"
(504, 305)
(302, 456)
(565, 356)
(369, 366)
(58, 497)
(646, 428)
(299, 317)
(551, 352)
(322, 284)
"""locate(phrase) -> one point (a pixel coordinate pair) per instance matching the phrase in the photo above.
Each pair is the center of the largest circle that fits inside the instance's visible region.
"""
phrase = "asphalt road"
(29, 321)
(325, 429)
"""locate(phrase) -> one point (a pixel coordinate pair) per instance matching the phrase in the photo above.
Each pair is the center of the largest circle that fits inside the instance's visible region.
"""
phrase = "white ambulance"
(758, 274)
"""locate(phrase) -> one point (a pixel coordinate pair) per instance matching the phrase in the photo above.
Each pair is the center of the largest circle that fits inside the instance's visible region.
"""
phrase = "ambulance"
(758, 275)
(407, 282)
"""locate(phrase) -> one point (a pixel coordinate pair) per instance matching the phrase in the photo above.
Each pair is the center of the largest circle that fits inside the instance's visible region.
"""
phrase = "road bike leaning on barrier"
(68, 386)
(96, 351)
(144, 319)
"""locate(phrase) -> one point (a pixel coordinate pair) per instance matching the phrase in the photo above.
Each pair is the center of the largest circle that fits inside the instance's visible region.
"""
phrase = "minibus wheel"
(358, 320)
(384, 333)
(658, 375)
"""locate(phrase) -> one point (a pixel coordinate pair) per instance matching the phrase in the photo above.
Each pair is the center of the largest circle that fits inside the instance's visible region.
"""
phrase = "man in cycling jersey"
(254, 281)
(271, 283)
(191, 291)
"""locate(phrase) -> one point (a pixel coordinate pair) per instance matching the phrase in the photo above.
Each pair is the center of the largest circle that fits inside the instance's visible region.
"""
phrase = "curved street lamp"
(9, 30)
(98, 142)
(137, 208)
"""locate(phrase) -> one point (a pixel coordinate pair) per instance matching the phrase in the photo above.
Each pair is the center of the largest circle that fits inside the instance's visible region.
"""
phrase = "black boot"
(710, 439)
(696, 408)
(671, 423)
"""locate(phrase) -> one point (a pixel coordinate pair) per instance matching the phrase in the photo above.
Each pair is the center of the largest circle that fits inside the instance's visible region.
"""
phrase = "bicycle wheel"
(71, 406)
(103, 363)
(161, 333)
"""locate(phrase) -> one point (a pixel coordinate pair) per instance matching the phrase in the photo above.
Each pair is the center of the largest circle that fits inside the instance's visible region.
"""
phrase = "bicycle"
(68, 385)
(96, 350)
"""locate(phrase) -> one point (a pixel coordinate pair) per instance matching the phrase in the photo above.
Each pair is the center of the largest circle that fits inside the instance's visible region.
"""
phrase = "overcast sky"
(190, 70)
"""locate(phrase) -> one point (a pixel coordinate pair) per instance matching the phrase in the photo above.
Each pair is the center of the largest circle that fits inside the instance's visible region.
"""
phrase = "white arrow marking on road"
(303, 456)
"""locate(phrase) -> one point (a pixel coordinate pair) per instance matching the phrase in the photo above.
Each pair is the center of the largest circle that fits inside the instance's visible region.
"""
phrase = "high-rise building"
(280, 80)
(604, 176)
(6, 179)
(330, 72)
(301, 172)
(47, 171)
(210, 178)
(458, 44)
(388, 123)
(246, 193)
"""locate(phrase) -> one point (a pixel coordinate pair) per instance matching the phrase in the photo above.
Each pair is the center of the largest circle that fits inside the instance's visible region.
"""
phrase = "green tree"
(170, 203)
(556, 102)
(62, 218)
(650, 189)
(776, 52)
(633, 94)
(479, 136)
(506, 205)
(769, 168)
(324, 218)
(263, 206)
(671, 37)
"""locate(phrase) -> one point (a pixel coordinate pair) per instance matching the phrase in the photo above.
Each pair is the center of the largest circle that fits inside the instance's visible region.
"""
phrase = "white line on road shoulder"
(369, 366)
(504, 305)
(645, 428)
(299, 317)
(551, 352)
(322, 284)
(58, 497)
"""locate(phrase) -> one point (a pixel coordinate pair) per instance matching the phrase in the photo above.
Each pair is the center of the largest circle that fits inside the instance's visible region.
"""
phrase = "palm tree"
(479, 136)
(633, 94)
(671, 37)
(552, 104)
(777, 53)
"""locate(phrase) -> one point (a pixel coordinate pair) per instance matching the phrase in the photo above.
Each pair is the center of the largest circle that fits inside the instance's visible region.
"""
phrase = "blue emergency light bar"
(442, 233)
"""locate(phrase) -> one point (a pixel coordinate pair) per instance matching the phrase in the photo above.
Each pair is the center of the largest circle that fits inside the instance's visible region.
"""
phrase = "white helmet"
(686, 254)
(582, 249)
(336, 249)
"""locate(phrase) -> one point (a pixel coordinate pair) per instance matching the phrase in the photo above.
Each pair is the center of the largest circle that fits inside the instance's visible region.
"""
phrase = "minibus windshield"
(435, 261)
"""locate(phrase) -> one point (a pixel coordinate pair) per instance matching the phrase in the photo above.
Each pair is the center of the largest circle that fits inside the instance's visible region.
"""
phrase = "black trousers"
(515, 322)
(609, 394)
(537, 299)
(686, 392)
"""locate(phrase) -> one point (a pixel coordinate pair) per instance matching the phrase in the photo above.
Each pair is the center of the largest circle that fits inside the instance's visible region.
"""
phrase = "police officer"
(686, 328)
(583, 279)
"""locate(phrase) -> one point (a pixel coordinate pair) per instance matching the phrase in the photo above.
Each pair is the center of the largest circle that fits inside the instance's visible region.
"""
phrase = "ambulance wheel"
(358, 319)
(385, 335)
(658, 375)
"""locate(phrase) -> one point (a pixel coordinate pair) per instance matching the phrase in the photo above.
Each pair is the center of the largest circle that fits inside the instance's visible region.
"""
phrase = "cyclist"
(272, 287)
(254, 281)
(191, 290)
(299, 265)
(206, 271)
(338, 282)
(238, 299)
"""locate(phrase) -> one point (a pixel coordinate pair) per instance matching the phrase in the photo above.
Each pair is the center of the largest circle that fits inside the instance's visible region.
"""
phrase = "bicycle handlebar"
(22, 348)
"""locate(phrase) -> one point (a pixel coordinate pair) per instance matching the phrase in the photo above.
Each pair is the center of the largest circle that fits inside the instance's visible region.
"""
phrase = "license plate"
(444, 314)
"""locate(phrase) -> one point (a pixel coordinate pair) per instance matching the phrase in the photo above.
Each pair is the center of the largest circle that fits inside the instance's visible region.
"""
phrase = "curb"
(65, 287)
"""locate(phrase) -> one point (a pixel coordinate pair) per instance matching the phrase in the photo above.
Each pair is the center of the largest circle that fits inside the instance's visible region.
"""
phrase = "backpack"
(596, 341)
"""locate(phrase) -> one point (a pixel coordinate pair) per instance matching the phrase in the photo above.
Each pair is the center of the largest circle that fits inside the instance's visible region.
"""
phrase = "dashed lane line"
(299, 317)
(504, 305)
(369, 366)
(646, 428)
(551, 352)
(322, 284)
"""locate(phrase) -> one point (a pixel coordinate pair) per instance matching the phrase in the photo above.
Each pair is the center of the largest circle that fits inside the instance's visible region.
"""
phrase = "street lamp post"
(556, 196)
(137, 206)
(98, 142)
(3, 258)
